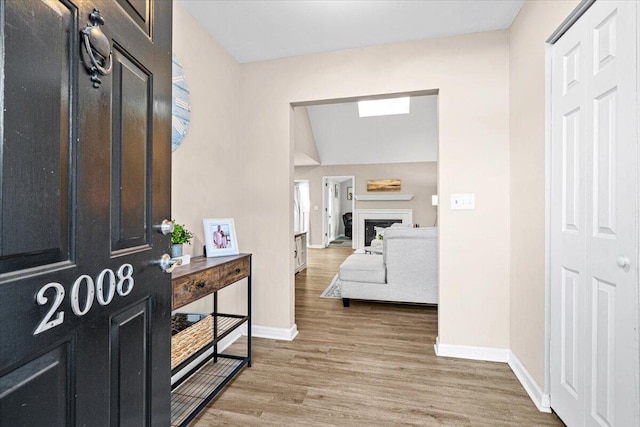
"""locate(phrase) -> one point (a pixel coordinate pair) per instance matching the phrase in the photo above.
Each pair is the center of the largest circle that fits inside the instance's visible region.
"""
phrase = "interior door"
(85, 174)
(328, 211)
(594, 237)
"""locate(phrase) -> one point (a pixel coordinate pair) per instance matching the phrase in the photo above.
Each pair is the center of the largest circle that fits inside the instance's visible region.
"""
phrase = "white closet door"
(568, 227)
(594, 259)
(612, 213)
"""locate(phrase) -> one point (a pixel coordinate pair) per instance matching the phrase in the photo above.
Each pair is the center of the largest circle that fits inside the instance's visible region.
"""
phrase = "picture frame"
(349, 193)
(384, 185)
(220, 237)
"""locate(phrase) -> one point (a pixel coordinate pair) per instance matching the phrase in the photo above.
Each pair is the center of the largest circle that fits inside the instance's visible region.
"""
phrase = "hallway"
(372, 364)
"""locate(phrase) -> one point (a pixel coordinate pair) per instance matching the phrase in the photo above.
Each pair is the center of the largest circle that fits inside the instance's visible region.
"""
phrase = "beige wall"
(241, 114)
(418, 179)
(535, 23)
(305, 149)
(203, 171)
(471, 74)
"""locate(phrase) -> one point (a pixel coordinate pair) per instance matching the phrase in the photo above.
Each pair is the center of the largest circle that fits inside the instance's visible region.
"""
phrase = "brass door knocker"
(96, 55)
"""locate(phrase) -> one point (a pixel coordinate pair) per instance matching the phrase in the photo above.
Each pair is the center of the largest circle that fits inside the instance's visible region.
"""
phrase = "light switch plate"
(463, 201)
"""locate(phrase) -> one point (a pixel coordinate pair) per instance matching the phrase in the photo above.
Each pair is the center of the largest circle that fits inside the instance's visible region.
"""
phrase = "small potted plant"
(179, 237)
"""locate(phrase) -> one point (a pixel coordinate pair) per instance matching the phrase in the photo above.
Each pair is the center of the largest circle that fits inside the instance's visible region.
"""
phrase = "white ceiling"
(343, 138)
(261, 30)
(269, 29)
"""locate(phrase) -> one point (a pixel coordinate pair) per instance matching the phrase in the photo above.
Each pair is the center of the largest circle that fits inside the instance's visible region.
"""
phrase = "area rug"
(334, 290)
(340, 241)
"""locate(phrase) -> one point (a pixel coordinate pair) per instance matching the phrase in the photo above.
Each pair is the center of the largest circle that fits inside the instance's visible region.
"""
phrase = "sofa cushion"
(363, 268)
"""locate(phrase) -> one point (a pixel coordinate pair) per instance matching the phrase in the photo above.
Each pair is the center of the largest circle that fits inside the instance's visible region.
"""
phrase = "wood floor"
(371, 364)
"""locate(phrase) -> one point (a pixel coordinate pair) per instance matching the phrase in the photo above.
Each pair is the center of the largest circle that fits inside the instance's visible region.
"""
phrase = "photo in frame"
(220, 237)
(349, 193)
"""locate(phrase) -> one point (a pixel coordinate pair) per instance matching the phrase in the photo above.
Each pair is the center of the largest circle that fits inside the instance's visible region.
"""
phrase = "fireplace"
(371, 224)
(384, 217)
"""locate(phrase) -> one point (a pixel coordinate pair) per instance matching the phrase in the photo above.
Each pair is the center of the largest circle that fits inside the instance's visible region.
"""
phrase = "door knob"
(167, 264)
(622, 261)
(165, 228)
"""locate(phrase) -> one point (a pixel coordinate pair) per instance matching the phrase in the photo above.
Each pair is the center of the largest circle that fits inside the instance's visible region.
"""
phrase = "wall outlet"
(463, 201)
(315, 208)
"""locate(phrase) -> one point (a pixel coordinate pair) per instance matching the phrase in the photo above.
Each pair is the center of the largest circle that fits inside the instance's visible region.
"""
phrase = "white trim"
(547, 219)
(384, 197)
(316, 246)
(539, 398)
(285, 334)
(487, 354)
(503, 355)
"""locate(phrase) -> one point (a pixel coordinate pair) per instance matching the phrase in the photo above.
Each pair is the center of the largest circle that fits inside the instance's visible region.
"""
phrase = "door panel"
(605, 41)
(37, 391)
(603, 354)
(568, 229)
(139, 11)
(571, 149)
(89, 167)
(49, 135)
(129, 368)
(130, 193)
(612, 196)
(604, 165)
(569, 329)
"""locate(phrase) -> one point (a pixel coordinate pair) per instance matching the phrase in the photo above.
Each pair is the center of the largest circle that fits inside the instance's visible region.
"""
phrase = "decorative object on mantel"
(384, 185)
(179, 237)
(220, 237)
(384, 197)
(349, 193)
(180, 105)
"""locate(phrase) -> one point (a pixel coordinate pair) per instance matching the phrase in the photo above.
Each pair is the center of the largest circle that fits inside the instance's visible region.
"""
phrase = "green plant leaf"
(180, 234)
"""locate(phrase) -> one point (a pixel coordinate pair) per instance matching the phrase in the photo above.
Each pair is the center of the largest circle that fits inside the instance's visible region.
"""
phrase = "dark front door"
(85, 175)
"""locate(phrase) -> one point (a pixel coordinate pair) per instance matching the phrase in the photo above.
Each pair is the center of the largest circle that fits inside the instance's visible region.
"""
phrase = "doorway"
(335, 141)
(337, 210)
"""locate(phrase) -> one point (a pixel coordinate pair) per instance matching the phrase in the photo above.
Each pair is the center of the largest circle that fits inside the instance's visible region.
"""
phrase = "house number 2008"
(103, 289)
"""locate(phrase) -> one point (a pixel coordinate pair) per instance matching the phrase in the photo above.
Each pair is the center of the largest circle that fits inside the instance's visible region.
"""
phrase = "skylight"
(384, 107)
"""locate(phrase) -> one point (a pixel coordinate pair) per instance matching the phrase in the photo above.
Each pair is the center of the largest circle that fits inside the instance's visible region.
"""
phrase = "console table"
(211, 373)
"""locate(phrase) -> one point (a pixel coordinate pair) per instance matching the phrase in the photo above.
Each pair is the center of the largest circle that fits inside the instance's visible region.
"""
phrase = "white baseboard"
(286, 334)
(491, 354)
(540, 399)
(487, 354)
(316, 246)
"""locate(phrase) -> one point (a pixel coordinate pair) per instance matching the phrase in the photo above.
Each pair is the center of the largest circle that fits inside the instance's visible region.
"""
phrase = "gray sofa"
(407, 271)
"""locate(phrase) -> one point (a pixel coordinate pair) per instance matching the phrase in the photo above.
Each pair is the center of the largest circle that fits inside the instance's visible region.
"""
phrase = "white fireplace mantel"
(363, 214)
